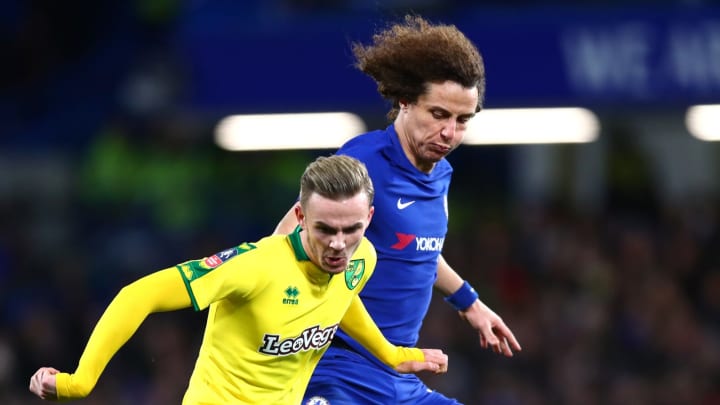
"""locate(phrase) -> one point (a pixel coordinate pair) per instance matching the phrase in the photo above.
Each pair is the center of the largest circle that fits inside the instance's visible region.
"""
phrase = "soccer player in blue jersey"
(434, 78)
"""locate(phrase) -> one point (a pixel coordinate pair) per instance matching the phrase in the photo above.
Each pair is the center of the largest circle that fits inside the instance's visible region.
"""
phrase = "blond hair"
(335, 177)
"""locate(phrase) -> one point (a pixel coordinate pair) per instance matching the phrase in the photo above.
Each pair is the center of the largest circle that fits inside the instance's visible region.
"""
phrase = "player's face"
(435, 125)
(332, 230)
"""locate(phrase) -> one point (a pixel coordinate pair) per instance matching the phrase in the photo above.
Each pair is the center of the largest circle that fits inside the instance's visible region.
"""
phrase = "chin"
(335, 270)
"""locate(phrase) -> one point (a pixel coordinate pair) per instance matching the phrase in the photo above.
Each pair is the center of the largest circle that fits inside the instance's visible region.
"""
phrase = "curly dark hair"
(405, 57)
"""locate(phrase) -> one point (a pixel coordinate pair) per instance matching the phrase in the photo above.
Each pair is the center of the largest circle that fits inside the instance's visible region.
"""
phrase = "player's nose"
(337, 242)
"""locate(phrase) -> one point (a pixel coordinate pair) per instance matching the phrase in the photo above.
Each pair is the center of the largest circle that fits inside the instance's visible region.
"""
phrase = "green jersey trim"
(297, 246)
(194, 269)
(187, 286)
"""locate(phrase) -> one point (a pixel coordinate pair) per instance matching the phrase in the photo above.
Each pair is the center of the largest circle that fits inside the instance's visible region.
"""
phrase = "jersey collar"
(314, 273)
(297, 246)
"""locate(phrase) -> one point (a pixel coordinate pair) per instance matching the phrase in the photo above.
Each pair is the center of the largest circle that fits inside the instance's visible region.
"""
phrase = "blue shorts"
(344, 377)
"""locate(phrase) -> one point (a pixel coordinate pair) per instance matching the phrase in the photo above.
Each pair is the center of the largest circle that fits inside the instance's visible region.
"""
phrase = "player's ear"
(300, 216)
(370, 214)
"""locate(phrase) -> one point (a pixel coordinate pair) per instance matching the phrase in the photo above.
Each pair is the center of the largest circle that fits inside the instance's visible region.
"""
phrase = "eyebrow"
(347, 229)
(446, 111)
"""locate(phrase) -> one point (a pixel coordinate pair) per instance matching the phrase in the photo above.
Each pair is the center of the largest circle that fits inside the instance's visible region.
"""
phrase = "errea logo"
(291, 294)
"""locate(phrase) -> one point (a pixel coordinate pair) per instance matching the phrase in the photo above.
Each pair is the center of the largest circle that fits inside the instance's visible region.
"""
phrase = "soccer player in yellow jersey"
(274, 305)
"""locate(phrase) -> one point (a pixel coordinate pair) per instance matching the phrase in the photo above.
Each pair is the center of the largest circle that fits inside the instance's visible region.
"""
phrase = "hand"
(42, 383)
(435, 361)
(491, 328)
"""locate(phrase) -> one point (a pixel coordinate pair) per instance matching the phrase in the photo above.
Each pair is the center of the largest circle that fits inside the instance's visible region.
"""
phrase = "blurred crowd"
(610, 308)
(619, 304)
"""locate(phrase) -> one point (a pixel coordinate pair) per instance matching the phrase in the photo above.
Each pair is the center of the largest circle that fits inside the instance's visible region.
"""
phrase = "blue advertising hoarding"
(596, 57)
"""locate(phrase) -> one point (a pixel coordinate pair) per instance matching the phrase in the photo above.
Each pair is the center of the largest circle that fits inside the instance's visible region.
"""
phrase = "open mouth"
(336, 261)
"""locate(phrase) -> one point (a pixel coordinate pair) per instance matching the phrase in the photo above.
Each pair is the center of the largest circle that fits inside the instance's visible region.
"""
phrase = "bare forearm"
(492, 330)
(448, 281)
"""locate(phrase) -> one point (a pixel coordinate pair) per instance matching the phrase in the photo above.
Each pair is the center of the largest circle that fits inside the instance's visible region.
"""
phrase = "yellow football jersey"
(272, 314)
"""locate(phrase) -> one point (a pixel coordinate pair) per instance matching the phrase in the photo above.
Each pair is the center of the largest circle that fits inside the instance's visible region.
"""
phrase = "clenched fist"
(42, 383)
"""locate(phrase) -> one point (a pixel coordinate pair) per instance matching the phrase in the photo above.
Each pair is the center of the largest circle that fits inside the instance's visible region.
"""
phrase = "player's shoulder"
(269, 246)
(260, 246)
(366, 247)
(366, 252)
(272, 247)
(443, 168)
(272, 240)
(367, 143)
(362, 265)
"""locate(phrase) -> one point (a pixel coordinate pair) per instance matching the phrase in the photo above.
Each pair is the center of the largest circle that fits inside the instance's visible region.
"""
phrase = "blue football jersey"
(408, 230)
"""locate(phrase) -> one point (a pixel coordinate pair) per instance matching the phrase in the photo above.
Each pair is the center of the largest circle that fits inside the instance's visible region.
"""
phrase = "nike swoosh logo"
(402, 205)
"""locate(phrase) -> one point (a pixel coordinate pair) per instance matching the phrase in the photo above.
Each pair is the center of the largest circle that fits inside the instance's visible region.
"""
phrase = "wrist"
(463, 298)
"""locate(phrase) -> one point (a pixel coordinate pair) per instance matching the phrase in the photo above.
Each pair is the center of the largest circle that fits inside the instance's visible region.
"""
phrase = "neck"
(315, 273)
(409, 149)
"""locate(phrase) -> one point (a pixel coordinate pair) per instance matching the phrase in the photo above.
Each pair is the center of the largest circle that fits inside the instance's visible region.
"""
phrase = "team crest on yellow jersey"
(354, 273)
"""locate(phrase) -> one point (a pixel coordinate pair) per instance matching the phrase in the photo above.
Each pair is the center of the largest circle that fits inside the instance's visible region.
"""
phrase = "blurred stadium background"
(602, 257)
